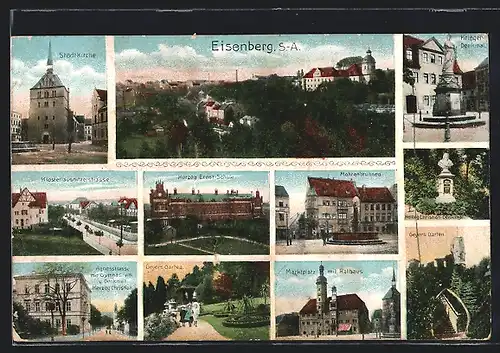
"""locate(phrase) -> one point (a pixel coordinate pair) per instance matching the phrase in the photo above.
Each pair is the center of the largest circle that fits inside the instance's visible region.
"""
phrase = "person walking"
(323, 236)
(182, 316)
(196, 311)
(189, 315)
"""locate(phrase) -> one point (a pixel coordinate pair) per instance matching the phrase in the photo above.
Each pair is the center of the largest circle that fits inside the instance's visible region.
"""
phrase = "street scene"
(446, 88)
(48, 124)
(447, 184)
(448, 283)
(186, 301)
(206, 213)
(349, 300)
(332, 212)
(71, 301)
(49, 217)
(255, 96)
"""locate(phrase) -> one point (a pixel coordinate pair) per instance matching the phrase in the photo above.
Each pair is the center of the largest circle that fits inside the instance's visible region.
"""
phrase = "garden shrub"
(73, 330)
(158, 326)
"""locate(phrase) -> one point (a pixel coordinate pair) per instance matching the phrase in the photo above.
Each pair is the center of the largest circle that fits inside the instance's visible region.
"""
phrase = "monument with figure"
(445, 181)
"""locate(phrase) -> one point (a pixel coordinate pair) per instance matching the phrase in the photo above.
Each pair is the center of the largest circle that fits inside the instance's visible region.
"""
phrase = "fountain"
(449, 109)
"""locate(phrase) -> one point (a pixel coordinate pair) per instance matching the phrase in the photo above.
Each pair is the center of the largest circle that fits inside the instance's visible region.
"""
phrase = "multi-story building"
(282, 206)
(339, 206)
(391, 310)
(88, 130)
(69, 294)
(424, 59)
(86, 206)
(129, 206)
(75, 205)
(361, 72)
(29, 209)
(125, 97)
(49, 112)
(15, 126)
(216, 206)
(100, 117)
(482, 73)
(335, 314)
(376, 211)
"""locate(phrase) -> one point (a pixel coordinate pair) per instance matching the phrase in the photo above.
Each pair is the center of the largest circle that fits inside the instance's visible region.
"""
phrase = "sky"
(295, 182)
(468, 56)
(292, 291)
(435, 242)
(144, 58)
(207, 182)
(80, 75)
(68, 185)
(122, 280)
(166, 269)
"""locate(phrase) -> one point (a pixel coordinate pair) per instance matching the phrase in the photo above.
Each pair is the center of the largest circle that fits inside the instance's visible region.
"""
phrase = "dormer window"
(409, 54)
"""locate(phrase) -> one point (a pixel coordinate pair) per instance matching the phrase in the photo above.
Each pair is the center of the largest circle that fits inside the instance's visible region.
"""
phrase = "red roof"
(409, 41)
(344, 302)
(103, 94)
(128, 202)
(375, 194)
(332, 187)
(353, 70)
(209, 104)
(456, 68)
(84, 204)
(40, 199)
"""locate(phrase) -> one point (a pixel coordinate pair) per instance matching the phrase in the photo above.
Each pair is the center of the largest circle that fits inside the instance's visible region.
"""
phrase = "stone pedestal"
(445, 188)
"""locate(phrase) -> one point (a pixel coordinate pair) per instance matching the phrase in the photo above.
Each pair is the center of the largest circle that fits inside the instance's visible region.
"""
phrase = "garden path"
(203, 332)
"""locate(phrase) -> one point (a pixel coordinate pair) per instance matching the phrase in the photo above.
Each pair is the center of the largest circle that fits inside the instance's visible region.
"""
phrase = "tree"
(408, 77)
(60, 279)
(56, 213)
(173, 284)
(148, 299)
(95, 317)
(205, 290)
(223, 286)
(348, 61)
(128, 312)
(160, 295)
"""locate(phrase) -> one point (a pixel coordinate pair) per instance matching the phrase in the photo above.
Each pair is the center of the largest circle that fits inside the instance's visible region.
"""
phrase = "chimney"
(192, 191)
(216, 192)
(175, 191)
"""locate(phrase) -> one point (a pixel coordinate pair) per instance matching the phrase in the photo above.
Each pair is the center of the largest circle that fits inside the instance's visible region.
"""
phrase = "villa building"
(29, 209)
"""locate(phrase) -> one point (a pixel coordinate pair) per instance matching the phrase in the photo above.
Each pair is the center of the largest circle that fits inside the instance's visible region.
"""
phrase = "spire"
(393, 278)
(321, 269)
(50, 62)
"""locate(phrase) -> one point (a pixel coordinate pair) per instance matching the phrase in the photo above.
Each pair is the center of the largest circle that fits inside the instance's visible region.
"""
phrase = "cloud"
(80, 81)
(221, 64)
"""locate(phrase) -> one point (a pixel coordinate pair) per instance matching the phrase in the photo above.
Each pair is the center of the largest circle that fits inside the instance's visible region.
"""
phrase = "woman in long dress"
(196, 312)
(188, 317)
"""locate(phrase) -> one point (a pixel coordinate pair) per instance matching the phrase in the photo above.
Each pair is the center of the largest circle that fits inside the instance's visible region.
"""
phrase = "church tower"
(368, 65)
(321, 291)
(49, 107)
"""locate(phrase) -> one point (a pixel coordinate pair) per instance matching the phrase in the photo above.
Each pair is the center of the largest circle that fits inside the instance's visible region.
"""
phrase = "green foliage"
(128, 312)
(348, 61)
(158, 326)
(73, 330)
(28, 327)
(95, 316)
(55, 215)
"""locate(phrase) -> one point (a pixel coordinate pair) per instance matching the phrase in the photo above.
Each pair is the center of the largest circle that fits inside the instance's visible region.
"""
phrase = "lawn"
(172, 249)
(35, 244)
(216, 307)
(227, 246)
(236, 333)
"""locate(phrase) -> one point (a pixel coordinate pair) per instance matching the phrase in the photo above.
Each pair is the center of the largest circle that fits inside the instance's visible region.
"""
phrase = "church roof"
(353, 70)
(392, 293)
(48, 80)
(368, 57)
(344, 302)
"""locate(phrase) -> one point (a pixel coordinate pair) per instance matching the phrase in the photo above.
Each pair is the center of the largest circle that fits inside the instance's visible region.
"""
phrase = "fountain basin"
(354, 238)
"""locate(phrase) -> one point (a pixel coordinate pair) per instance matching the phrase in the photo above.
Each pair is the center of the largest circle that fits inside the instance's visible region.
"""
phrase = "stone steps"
(453, 125)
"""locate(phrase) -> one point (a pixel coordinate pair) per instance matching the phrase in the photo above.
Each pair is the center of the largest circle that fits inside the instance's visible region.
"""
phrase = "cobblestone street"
(81, 153)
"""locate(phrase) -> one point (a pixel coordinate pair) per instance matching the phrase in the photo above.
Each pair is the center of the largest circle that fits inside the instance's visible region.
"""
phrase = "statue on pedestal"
(445, 181)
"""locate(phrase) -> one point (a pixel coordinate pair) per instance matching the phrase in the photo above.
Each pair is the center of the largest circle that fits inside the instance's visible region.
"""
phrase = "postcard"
(446, 87)
(74, 213)
(74, 301)
(255, 96)
(448, 282)
(204, 301)
(330, 212)
(206, 213)
(59, 100)
(337, 300)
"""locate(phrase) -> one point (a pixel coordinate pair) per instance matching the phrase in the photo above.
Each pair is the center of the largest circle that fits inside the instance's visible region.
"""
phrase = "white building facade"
(29, 209)
(15, 126)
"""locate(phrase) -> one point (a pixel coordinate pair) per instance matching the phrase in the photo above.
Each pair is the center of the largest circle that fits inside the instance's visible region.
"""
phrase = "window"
(68, 305)
(377, 207)
(281, 217)
(46, 94)
(39, 95)
(54, 103)
(409, 54)
(37, 288)
(53, 93)
(426, 78)
(415, 76)
(58, 322)
(440, 59)
(38, 118)
(68, 323)
(371, 218)
(24, 212)
(47, 306)
(425, 56)
(53, 117)
(388, 207)
(45, 104)
(46, 118)
(57, 288)
(68, 287)
(58, 305)
(26, 290)
(433, 79)
(38, 104)
(17, 221)
(46, 288)
(37, 306)
(426, 100)
(342, 216)
(27, 305)
(383, 207)
(46, 126)
(366, 218)
(433, 58)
